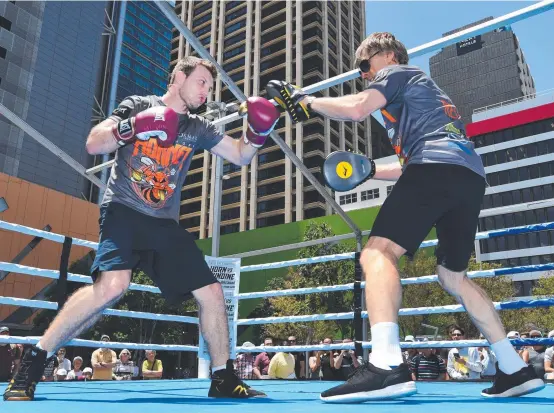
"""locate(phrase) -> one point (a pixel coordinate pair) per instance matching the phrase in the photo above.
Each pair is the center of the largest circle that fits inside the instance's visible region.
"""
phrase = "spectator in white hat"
(61, 374)
(76, 373)
(548, 363)
(244, 363)
(87, 373)
(410, 353)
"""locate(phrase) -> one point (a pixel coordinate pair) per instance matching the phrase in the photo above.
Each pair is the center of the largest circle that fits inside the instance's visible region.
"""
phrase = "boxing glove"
(289, 98)
(160, 122)
(261, 117)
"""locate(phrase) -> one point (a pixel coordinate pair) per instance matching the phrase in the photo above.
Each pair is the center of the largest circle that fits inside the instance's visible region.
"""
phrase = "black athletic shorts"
(442, 195)
(166, 252)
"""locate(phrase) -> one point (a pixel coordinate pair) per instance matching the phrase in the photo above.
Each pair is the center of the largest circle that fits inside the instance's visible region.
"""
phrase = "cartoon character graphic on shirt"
(154, 182)
(155, 170)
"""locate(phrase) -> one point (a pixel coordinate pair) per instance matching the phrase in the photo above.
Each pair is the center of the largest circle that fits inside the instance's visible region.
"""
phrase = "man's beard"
(186, 104)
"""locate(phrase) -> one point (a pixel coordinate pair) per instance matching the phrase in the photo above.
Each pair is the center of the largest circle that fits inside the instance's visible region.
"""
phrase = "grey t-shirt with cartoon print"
(149, 178)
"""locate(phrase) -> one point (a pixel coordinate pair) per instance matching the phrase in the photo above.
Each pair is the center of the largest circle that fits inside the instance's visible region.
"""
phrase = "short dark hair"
(383, 42)
(455, 327)
(188, 64)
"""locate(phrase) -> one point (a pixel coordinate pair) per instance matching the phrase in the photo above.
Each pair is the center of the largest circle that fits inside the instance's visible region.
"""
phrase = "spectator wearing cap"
(76, 373)
(464, 363)
(514, 335)
(61, 374)
(244, 363)
(124, 367)
(63, 363)
(87, 374)
(103, 361)
(410, 353)
(152, 368)
(535, 355)
(548, 360)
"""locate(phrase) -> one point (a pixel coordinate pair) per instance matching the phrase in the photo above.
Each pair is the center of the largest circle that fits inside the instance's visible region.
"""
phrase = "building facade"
(145, 51)
(50, 56)
(516, 142)
(303, 42)
(483, 70)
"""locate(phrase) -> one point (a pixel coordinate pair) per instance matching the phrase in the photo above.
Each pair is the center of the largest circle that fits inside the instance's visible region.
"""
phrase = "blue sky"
(418, 22)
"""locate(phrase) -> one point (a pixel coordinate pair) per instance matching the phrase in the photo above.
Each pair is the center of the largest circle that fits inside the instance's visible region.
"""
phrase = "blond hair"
(383, 42)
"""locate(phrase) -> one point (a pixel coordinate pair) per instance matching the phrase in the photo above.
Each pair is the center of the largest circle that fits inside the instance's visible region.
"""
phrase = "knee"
(380, 249)
(112, 286)
(210, 294)
(451, 281)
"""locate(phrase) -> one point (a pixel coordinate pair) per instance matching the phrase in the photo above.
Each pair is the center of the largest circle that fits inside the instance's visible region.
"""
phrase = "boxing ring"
(294, 396)
(297, 395)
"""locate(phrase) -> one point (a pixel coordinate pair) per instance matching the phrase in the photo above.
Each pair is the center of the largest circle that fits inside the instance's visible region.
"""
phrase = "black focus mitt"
(288, 97)
(344, 171)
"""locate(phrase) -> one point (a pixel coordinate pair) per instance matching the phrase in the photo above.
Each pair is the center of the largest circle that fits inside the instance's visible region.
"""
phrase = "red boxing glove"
(262, 117)
(160, 122)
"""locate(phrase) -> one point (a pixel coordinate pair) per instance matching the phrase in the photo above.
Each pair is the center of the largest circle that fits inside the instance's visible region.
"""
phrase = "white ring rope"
(97, 344)
(23, 302)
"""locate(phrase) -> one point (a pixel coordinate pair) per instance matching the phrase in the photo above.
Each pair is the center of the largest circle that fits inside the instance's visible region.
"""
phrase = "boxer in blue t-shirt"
(441, 183)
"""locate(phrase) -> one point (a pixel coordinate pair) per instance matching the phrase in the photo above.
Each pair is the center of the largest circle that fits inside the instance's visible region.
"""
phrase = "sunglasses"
(364, 65)
(457, 334)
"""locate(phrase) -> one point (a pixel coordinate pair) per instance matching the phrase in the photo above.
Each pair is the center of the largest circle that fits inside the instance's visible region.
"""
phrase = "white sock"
(508, 359)
(385, 346)
(50, 353)
(217, 368)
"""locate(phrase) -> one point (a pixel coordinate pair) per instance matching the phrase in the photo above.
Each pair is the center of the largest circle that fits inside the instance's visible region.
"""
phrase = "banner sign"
(227, 271)
(469, 45)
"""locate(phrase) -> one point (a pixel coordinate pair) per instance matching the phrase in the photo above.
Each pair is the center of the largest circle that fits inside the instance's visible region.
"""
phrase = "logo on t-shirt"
(154, 170)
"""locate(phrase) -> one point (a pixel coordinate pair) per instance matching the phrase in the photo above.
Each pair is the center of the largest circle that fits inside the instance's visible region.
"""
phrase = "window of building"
(270, 221)
(370, 194)
(5, 23)
(389, 189)
(348, 199)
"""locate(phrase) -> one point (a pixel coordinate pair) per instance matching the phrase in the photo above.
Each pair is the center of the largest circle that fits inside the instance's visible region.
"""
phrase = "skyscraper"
(145, 51)
(483, 70)
(50, 55)
(303, 42)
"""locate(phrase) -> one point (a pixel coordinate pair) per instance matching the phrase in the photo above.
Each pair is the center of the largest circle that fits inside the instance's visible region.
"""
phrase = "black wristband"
(373, 169)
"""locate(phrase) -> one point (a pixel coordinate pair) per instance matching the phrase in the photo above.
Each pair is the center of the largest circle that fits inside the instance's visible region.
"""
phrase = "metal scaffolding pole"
(32, 132)
(191, 38)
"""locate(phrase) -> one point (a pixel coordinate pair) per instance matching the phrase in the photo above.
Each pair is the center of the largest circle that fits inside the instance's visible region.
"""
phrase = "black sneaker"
(226, 384)
(521, 382)
(368, 382)
(22, 385)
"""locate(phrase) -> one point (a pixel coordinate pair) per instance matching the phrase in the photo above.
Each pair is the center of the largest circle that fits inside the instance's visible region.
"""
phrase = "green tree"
(431, 294)
(328, 273)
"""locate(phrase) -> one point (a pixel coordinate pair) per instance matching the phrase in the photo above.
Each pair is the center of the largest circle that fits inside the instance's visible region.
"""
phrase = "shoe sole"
(18, 399)
(388, 393)
(528, 387)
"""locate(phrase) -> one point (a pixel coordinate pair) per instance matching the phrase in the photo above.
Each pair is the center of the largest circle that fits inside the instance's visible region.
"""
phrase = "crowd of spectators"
(456, 364)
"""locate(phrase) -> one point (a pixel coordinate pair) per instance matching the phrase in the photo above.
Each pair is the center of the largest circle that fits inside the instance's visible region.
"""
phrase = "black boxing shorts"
(166, 252)
(444, 196)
